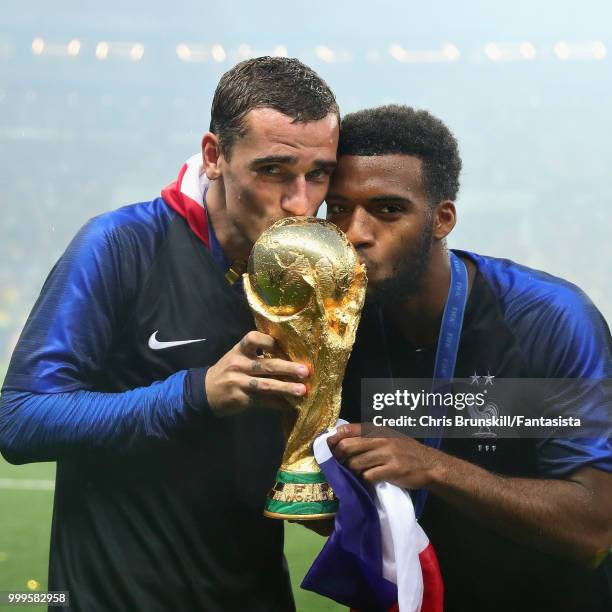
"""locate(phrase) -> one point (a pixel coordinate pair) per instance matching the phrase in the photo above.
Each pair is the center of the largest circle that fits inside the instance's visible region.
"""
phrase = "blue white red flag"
(378, 558)
(186, 196)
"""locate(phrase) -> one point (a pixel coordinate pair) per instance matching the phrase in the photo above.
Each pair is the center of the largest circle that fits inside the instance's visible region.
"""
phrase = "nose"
(295, 201)
(359, 229)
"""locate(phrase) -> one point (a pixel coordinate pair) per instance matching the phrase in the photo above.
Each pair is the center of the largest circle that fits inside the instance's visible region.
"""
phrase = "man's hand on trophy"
(243, 378)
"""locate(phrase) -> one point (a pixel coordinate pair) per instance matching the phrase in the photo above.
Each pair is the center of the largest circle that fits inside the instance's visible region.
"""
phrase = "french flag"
(187, 194)
(378, 559)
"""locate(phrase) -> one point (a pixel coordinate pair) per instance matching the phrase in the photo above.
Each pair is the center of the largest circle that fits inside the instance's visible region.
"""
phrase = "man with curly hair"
(528, 525)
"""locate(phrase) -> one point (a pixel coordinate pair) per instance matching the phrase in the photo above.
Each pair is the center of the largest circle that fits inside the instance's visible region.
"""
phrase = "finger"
(349, 447)
(376, 474)
(265, 386)
(255, 341)
(277, 368)
(365, 461)
(351, 430)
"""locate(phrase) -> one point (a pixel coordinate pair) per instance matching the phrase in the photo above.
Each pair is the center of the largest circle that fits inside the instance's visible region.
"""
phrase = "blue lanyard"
(452, 322)
(446, 354)
(448, 347)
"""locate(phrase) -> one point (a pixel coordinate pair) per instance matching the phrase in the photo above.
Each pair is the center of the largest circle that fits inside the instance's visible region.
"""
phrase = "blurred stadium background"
(100, 103)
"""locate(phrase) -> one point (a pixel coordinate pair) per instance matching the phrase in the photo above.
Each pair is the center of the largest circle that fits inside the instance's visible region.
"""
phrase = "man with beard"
(138, 368)
(528, 526)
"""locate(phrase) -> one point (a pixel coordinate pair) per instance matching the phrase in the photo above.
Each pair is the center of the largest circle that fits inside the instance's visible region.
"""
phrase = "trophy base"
(301, 496)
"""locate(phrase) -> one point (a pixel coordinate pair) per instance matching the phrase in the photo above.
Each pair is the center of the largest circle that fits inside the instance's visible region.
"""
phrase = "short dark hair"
(281, 83)
(392, 129)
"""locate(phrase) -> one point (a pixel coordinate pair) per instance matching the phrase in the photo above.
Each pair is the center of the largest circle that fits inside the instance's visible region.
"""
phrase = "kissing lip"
(369, 265)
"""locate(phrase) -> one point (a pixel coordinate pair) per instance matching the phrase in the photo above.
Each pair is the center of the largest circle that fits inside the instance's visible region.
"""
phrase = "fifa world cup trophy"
(306, 289)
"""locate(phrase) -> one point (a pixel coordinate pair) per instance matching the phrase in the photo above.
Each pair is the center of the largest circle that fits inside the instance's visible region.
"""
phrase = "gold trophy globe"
(306, 289)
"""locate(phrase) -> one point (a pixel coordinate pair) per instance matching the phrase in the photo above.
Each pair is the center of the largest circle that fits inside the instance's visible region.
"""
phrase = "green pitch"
(25, 520)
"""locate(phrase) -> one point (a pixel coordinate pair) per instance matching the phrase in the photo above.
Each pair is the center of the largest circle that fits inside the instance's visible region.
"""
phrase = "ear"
(211, 156)
(444, 219)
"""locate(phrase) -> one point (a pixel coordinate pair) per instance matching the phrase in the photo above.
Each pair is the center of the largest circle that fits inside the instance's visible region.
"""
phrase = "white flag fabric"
(378, 556)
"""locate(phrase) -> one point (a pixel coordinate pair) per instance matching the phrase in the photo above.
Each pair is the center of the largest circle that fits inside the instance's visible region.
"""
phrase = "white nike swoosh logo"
(157, 345)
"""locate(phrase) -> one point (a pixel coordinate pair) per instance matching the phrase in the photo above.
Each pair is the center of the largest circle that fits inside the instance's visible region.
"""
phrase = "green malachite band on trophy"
(300, 477)
(301, 508)
(300, 485)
